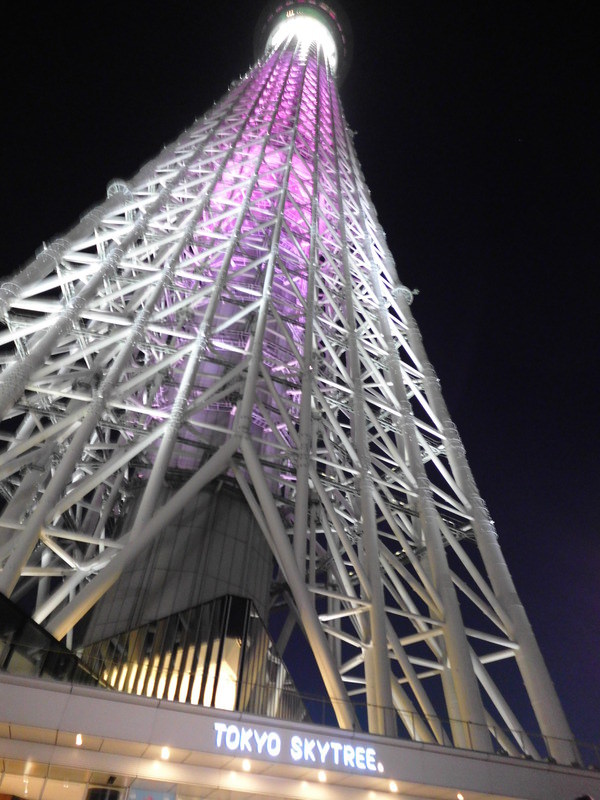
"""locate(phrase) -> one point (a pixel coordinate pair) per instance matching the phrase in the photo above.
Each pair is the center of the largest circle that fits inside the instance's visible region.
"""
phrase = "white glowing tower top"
(308, 30)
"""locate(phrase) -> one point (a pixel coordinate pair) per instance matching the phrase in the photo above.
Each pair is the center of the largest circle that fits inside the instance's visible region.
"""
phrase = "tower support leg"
(542, 693)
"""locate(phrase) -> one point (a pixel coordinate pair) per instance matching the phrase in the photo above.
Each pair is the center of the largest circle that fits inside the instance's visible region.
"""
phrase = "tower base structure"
(60, 742)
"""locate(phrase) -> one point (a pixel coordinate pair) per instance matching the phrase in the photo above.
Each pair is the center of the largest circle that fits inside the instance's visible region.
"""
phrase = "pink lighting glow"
(287, 111)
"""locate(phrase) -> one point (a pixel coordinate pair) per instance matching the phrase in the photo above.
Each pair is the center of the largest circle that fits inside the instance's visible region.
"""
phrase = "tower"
(231, 318)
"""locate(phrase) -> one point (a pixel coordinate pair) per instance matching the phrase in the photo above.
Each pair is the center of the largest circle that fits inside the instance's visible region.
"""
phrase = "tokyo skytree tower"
(226, 337)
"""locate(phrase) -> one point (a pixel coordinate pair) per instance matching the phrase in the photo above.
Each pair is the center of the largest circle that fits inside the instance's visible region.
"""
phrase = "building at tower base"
(218, 754)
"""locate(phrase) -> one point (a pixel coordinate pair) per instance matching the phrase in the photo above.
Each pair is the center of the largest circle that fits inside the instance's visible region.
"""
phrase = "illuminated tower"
(213, 387)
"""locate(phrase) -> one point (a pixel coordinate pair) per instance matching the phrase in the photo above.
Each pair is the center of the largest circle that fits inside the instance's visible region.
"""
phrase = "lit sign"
(300, 749)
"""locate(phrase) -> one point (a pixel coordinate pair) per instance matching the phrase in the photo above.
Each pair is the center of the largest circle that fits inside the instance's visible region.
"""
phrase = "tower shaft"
(233, 314)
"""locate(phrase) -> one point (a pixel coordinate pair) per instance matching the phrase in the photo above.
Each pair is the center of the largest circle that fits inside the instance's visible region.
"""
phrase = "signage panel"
(284, 746)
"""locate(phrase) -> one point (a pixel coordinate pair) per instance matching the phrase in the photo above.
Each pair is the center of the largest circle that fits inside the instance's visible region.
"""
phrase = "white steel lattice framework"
(233, 311)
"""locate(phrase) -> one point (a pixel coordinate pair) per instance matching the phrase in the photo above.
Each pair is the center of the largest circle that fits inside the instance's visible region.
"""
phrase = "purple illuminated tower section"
(213, 386)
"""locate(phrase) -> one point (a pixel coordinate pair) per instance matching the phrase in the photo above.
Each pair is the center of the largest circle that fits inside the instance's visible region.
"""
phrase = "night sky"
(477, 129)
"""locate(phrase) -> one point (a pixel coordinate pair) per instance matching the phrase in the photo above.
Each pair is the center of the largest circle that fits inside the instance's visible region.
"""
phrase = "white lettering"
(301, 748)
(371, 763)
(220, 728)
(309, 746)
(348, 755)
(296, 748)
(246, 739)
(232, 737)
(260, 740)
(273, 744)
(323, 750)
(336, 749)
(360, 757)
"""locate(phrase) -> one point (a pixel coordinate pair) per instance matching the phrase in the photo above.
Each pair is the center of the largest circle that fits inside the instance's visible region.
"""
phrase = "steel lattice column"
(233, 312)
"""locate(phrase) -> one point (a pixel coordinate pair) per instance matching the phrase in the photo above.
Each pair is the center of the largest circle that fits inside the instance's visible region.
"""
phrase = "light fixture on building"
(165, 753)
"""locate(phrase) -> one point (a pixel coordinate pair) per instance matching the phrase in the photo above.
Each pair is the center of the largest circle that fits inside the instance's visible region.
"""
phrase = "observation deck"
(310, 20)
